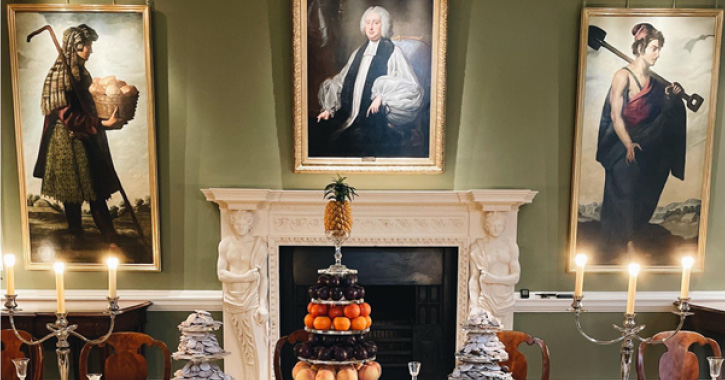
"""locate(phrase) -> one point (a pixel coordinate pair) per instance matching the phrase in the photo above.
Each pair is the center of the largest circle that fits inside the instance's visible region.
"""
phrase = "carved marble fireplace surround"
(381, 218)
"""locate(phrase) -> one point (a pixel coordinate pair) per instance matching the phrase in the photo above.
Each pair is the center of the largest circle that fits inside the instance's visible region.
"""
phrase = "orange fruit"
(319, 310)
(369, 322)
(308, 320)
(365, 309)
(322, 323)
(352, 311)
(334, 312)
(309, 307)
(341, 324)
(359, 323)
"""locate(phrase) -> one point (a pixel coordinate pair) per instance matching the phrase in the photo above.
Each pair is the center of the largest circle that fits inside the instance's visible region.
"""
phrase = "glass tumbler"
(21, 367)
(715, 366)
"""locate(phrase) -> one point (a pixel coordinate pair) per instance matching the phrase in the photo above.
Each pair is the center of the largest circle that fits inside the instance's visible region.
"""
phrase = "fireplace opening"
(412, 291)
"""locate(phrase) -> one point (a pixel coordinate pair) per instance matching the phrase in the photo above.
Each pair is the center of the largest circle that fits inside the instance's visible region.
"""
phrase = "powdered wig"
(644, 34)
(386, 21)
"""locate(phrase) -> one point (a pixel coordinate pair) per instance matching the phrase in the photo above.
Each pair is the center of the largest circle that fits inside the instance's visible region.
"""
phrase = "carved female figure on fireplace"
(242, 269)
(494, 269)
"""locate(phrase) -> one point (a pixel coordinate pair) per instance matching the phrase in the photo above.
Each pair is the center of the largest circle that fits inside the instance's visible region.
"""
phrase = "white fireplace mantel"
(380, 218)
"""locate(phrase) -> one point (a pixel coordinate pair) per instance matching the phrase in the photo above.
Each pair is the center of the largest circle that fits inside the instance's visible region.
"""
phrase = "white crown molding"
(615, 302)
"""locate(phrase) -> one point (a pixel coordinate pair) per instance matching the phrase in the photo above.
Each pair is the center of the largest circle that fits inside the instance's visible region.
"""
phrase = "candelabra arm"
(662, 341)
(25, 341)
(594, 340)
(101, 339)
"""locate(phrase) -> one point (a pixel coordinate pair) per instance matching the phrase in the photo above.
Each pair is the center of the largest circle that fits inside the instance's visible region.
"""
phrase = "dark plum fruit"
(328, 340)
(354, 279)
(333, 282)
(360, 292)
(359, 353)
(316, 339)
(340, 354)
(323, 280)
(297, 349)
(349, 351)
(336, 294)
(346, 281)
(371, 348)
(325, 354)
(306, 351)
(350, 293)
(349, 340)
(312, 291)
(323, 293)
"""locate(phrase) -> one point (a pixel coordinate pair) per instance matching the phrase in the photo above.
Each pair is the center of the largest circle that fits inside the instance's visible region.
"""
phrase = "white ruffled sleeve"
(401, 94)
(330, 89)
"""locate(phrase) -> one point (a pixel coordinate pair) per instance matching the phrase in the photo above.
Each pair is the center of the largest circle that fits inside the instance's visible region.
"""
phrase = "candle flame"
(59, 267)
(580, 260)
(688, 262)
(9, 260)
(634, 269)
(112, 263)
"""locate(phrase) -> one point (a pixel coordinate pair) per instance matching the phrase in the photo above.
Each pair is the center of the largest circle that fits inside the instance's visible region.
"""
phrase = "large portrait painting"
(85, 135)
(369, 85)
(644, 136)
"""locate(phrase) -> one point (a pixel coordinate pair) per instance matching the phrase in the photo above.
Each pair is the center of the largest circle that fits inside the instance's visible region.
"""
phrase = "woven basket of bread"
(110, 93)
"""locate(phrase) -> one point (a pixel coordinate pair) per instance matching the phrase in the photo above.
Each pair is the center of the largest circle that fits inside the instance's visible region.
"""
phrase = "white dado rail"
(474, 221)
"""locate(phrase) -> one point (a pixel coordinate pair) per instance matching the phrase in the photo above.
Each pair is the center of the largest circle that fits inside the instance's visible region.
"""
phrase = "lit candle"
(633, 273)
(112, 268)
(687, 263)
(581, 261)
(59, 287)
(10, 272)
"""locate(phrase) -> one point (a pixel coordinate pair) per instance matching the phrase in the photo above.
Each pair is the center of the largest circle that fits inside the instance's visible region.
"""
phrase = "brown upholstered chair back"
(126, 362)
(517, 361)
(12, 348)
(292, 339)
(678, 363)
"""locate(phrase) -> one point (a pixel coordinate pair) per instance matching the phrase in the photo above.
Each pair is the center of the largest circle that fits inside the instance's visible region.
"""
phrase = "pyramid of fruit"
(481, 354)
(338, 317)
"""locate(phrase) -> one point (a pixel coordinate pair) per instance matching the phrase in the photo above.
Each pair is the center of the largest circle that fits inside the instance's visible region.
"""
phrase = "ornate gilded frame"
(152, 242)
(433, 164)
(708, 92)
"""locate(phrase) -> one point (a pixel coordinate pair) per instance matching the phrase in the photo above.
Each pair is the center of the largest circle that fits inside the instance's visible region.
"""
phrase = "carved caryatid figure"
(494, 270)
(242, 269)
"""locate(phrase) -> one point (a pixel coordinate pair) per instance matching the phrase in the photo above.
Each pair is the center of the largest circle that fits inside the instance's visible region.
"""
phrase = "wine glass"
(21, 367)
(715, 366)
(94, 376)
(414, 369)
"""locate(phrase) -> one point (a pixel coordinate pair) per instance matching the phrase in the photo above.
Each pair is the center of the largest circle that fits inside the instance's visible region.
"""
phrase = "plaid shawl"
(58, 82)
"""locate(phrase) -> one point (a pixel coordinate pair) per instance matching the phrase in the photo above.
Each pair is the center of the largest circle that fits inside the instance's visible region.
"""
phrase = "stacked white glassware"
(200, 347)
(482, 352)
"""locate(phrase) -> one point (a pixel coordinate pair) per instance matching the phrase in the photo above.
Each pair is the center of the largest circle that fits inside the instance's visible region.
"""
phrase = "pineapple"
(338, 213)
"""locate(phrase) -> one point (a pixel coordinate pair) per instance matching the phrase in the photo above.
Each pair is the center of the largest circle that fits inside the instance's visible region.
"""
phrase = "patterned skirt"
(67, 173)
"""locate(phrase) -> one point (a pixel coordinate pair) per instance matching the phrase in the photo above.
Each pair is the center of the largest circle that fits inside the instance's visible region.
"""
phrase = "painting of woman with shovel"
(74, 176)
(625, 205)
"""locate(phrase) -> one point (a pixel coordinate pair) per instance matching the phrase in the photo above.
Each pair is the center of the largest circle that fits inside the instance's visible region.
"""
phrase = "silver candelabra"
(629, 331)
(61, 330)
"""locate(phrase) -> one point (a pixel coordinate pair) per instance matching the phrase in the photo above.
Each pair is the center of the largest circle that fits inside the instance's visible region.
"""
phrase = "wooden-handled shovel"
(595, 40)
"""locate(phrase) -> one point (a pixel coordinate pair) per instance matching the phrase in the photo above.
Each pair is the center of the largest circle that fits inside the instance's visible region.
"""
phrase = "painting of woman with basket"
(88, 175)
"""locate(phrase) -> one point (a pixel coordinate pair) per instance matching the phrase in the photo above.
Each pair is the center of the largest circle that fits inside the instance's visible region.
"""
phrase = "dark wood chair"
(292, 339)
(12, 348)
(125, 361)
(517, 361)
(678, 362)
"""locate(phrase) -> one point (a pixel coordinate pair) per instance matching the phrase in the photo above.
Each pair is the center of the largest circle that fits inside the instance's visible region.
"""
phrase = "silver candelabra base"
(61, 330)
(629, 331)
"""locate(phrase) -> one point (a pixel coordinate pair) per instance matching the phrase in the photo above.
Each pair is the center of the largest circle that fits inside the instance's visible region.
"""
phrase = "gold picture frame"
(654, 190)
(407, 138)
(67, 133)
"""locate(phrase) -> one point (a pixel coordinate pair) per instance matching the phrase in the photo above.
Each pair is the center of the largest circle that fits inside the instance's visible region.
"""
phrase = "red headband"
(641, 33)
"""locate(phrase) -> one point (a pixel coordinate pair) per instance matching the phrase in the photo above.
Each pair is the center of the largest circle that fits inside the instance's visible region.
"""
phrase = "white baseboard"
(211, 300)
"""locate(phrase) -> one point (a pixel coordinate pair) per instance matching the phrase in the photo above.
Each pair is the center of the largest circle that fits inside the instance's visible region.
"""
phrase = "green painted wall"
(223, 71)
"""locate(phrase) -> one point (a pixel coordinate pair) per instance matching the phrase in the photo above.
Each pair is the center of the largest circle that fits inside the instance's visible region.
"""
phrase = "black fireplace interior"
(412, 292)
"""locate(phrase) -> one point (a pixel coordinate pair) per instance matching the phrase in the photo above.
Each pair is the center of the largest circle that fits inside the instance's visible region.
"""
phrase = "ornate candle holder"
(629, 331)
(61, 330)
